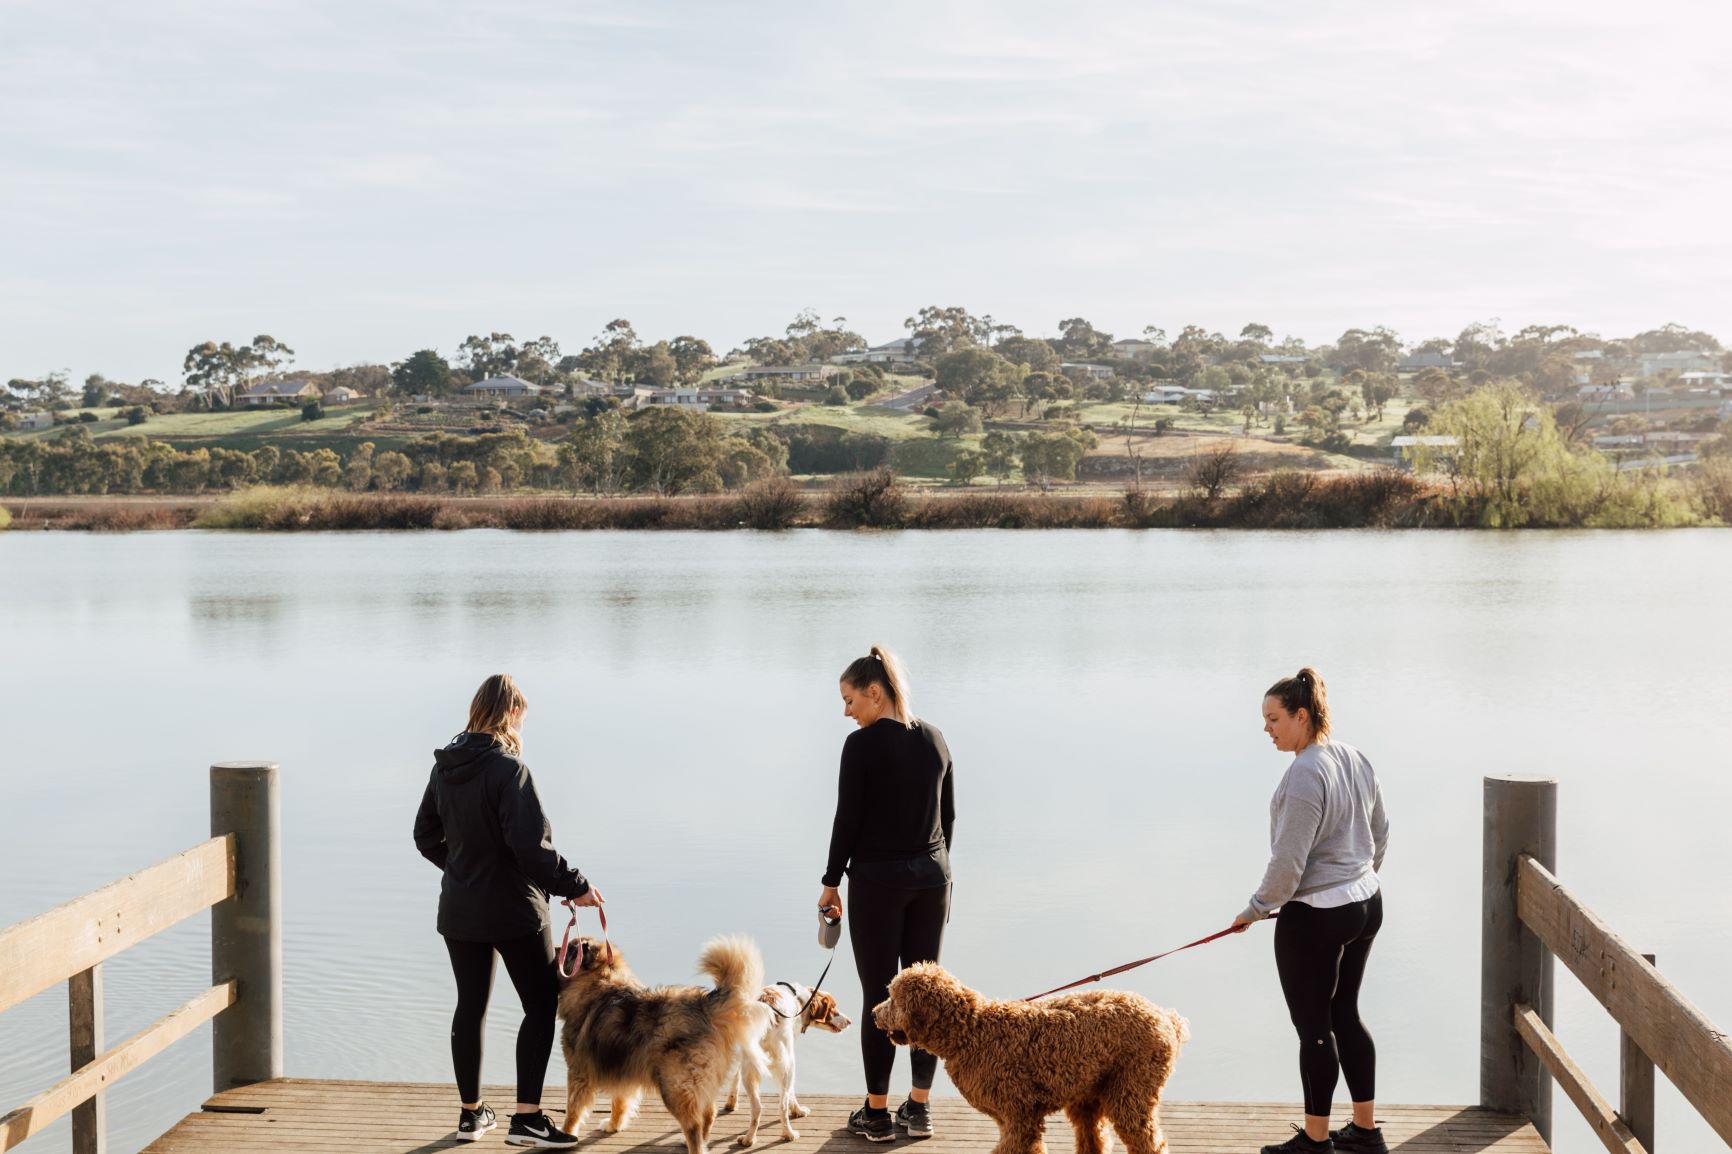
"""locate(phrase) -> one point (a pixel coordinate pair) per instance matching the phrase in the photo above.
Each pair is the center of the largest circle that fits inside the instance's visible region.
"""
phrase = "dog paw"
(798, 1111)
(746, 1140)
(730, 1105)
(791, 1134)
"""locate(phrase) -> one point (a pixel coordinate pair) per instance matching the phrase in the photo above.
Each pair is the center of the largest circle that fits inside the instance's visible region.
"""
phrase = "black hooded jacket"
(481, 823)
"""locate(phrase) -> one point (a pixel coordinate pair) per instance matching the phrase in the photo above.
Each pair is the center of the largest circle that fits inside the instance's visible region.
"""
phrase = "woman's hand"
(591, 898)
(1242, 923)
(830, 902)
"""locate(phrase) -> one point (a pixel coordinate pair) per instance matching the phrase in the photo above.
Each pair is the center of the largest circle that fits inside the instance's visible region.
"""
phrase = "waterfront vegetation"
(976, 423)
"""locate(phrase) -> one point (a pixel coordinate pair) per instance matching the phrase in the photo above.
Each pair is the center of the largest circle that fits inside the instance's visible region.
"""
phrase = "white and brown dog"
(794, 1009)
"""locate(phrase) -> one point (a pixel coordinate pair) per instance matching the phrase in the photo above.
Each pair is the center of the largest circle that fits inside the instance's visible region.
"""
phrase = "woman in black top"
(895, 813)
(481, 823)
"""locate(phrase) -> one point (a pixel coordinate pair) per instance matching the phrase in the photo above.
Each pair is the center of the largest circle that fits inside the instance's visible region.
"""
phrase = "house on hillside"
(344, 395)
(1282, 359)
(1408, 448)
(1091, 371)
(502, 388)
(701, 399)
(589, 387)
(1165, 395)
(904, 351)
(785, 374)
(1653, 364)
(1132, 349)
(1419, 362)
(297, 391)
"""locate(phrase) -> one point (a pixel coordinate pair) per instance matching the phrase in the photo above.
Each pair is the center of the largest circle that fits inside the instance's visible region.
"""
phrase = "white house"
(31, 422)
(898, 352)
(1093, 372)
(1281, 359)
(1651, 364)
(1132, 349)
(504, 388)
(1165, 395)
(785, 374)
(279, 392)
(701, 399)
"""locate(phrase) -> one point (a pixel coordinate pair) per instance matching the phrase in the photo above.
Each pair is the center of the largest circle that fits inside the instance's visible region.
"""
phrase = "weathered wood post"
(84, 1009)
(1521, 817)
(247, 930)
(1636, 1086)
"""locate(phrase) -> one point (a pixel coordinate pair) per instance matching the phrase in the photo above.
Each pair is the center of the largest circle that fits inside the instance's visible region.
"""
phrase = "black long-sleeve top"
(481, 823)
(895, 807)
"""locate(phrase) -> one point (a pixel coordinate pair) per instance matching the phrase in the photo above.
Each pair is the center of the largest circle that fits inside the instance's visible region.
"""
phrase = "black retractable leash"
(829, 933)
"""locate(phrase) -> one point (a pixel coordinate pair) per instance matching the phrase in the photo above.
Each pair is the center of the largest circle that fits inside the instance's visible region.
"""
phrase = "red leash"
(1133, 965)
(565, 942)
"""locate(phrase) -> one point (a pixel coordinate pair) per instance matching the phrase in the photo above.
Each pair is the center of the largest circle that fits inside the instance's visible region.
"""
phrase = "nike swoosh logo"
(534, 1131)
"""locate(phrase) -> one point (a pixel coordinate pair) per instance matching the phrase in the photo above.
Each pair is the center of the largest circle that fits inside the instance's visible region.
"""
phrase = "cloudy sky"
(361, 178)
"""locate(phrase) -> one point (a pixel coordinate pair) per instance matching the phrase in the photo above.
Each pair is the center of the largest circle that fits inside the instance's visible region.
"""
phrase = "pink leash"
(1133, 965)
(565, 942)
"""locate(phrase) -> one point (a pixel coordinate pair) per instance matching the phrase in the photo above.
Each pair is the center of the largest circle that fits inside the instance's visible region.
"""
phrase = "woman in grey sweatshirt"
(1327, 834)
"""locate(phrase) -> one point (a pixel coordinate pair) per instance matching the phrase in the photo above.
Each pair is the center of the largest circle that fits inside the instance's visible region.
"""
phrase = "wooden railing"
(1531, 918)
(234, 875)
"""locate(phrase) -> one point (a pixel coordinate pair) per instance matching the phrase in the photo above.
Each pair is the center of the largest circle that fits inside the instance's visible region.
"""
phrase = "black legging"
(1320, 955)
(529, 962)
(892, 928)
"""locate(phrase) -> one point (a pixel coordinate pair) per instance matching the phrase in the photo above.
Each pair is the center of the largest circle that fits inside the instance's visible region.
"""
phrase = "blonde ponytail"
(882, 667)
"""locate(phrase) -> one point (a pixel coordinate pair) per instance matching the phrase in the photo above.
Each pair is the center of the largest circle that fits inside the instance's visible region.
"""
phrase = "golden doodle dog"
(1100, 1057)
(622, 1037)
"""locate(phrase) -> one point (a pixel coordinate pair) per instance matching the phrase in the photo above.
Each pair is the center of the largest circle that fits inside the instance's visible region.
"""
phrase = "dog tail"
(734, 965)
(737, 968)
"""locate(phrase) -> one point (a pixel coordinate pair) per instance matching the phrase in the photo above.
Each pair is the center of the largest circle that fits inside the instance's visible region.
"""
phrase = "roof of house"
(768, 370)
(288, 388)
(503, 382)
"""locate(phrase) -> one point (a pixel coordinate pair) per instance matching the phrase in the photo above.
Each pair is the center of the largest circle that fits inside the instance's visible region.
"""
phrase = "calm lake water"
(1100, 692)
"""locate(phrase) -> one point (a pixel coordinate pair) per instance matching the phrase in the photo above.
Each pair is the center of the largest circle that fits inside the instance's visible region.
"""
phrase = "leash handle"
(1217, 936)
(565, 942)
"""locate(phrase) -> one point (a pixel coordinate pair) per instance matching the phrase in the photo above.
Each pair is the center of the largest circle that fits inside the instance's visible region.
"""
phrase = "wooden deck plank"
(300, 1116)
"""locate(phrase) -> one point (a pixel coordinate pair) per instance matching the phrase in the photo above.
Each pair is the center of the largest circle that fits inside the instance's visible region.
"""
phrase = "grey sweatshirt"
(1326, 826)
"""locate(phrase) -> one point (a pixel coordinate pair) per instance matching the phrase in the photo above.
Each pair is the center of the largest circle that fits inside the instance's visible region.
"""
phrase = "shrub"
(866, 501)
(5, 519)
(773, 503)
(836, 396)
(87, 417)
(312, 411)
(137, 415)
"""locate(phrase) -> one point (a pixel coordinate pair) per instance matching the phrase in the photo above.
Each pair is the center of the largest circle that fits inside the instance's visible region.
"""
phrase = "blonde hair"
(1304, 690)
(882, 667)
(496, 708)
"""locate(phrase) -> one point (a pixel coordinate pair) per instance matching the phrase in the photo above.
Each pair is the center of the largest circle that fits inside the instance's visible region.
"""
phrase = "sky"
(363, 178)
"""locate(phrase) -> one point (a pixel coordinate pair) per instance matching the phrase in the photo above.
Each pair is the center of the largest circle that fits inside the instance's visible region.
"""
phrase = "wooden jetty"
(1528, 919)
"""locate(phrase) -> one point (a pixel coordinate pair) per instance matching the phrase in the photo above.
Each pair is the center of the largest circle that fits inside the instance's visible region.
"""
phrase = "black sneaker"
(537, 1129)
(1356, 1139)
(1301, 1143)
(472, 1124)
(915, 1118)
(872, 1125)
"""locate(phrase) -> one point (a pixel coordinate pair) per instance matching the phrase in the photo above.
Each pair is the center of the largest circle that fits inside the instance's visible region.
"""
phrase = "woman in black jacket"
(481, 823)
(895, 815)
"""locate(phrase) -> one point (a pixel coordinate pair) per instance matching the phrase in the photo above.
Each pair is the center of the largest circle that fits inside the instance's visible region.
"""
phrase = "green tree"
(943, 329)
(692, 357)
(425, 373)
(966, 466)
(391, 470)
(670, 451)
(312, 411)
(956, 419)
(490, 355)
(590, 456)
(999, 453)
(1081, 341)
(358, 473)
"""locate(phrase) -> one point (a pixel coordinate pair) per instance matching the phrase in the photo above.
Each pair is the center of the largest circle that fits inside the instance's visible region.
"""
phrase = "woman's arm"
(850, 816)
(530, 839)
(430, 831)
(1296, 821)
(947, 806)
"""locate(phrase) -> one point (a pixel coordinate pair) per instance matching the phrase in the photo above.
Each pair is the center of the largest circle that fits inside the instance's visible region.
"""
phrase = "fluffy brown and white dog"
(1100, 1057)
(622, 1037)
(794, 1009)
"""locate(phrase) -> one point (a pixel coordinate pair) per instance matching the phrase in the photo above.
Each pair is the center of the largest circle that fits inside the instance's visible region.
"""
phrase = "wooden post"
(84, 1006)
(247, 929)
(1636, 1086)
(1521, 817)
